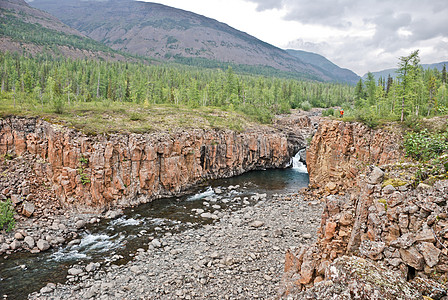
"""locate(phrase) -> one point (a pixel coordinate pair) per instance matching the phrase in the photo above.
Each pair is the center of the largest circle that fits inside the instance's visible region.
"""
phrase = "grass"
(106, 117)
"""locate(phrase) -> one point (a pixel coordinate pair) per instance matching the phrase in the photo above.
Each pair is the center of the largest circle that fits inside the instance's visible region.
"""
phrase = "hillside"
(162, 32)
(29, 30)
(329, 68)
(385, 73)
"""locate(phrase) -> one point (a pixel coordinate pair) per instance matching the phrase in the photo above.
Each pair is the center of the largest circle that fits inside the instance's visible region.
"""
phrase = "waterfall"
(297, 164)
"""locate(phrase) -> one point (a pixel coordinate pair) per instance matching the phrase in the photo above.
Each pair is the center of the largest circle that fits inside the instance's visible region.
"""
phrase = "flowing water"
(117, 240)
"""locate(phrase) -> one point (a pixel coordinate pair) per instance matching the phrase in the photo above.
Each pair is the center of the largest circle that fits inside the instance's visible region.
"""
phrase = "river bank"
(241, 255)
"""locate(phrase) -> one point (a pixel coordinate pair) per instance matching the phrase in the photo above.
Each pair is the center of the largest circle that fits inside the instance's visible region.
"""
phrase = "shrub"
(424, 145)
(7, 221)
(328, 112)
(306, 106)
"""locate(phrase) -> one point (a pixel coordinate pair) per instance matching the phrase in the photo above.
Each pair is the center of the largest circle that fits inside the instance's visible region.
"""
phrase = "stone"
(331, 187)
(376, 176)
(330, 229)
(18, 236)
(80, 224)
(256, 224)
(425, 235)
(350, 276)
(136, 270)
(412, 258)
(15, 245)
(208, 215)
(388, 189)
(372, 249)
(43, 245)
(156, 243)
(28, 209)
(16, 199)
(430, 253)
(74, 271)
(92, 267)
(29, 240)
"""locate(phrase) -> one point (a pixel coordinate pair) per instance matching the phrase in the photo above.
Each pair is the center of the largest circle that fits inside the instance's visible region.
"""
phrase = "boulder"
(28, 209)
(43, 245)
(376, 176)
(412, 258)
(29, 241)
(350, 276)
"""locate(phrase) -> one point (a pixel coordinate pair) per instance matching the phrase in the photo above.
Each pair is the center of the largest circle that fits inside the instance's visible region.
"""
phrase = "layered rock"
(399, 226)
(340, 151)
(125, 169)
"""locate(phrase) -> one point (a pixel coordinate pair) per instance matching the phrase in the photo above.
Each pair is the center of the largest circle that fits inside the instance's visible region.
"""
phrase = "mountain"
(330, 69)
(385, 73)
(29, 30)
(166, 33)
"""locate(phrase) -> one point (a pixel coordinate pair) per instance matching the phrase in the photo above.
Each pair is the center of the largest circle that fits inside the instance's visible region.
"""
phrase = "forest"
(49, 84)
(60, 83)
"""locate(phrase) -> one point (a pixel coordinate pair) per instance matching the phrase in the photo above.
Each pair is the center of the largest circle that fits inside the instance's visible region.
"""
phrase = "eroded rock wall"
(119, 169)
(403, 227)
(340, 151)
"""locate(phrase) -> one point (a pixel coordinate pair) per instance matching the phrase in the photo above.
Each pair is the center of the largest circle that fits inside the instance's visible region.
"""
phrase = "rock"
(349, 276)
(422, 186)
(112, 214)
(209, 216)
(331, 187)
(371, 249)
(412, 258)
(136, 270)
(15, 245)
(430, 253)
(74, 271)
(92, 267)
(28, 209)
(16, 199)
(156, 243)
(18, 236)
(376, 176)
(30, 242)
(80, 224)
(388, 189)
(307, 236)
(256, 224)
(43, 245)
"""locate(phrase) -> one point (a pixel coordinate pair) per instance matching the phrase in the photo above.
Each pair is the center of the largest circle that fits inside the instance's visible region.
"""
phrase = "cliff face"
(369, 213)
(103, 171)
(340, 151)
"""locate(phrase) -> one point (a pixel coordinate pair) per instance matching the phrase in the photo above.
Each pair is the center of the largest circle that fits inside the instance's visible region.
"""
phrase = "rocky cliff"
(372, 211)
(95, 172)
(340, 151)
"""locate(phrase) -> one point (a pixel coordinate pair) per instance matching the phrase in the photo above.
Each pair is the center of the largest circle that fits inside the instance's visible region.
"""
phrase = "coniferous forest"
(49, 84)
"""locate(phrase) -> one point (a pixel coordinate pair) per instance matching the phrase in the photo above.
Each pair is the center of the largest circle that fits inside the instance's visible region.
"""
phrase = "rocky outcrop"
(340, 151)
(126, 169)
(371, 214)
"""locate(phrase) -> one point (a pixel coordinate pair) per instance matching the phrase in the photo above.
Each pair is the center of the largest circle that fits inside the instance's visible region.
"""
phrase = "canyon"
(374, 220)
(93, 173)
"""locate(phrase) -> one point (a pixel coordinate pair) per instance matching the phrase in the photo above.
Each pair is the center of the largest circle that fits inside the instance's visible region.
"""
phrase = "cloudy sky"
(367, 35)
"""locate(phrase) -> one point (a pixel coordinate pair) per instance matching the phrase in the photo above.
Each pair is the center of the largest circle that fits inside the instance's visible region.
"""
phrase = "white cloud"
(363, 36)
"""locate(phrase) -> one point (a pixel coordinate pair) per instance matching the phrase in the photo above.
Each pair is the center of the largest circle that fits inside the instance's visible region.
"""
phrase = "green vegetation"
(415, 94)
(430, 149)
(74, 89)
(18, 30)
(7, 221)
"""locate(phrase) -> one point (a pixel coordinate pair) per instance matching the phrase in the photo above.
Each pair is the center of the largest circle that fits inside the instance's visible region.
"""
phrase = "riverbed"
(115, 242)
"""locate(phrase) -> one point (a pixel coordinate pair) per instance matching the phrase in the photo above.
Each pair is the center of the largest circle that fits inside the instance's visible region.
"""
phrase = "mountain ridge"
(386, 72)
(171, 34)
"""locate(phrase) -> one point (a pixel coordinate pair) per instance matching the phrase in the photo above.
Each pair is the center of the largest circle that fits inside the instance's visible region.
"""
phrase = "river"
(116, 241)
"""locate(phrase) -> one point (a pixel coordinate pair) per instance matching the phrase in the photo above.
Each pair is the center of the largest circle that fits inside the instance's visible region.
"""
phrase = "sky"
(361, 35)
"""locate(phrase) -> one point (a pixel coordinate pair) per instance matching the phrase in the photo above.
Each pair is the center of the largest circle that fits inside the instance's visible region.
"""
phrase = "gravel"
(239, 256)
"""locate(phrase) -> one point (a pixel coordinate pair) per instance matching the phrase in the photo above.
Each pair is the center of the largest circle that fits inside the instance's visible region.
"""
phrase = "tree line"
(415, 92)
(61, 82)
